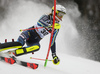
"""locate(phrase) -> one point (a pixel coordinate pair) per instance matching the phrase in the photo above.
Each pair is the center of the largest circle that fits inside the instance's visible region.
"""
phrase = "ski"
(22, 63)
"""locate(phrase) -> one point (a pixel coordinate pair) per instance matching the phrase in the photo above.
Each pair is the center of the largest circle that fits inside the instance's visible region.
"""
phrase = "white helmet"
(60, 11)
(59, 8)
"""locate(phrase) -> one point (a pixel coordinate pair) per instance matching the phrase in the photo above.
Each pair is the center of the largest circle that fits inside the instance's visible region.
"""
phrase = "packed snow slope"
(68, 65)
(25, 14)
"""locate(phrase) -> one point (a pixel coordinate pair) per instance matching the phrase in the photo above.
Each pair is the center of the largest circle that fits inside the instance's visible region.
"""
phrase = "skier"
(33, 37)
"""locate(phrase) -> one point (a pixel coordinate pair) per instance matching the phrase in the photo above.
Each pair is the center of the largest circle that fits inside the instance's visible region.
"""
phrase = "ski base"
(22, 63)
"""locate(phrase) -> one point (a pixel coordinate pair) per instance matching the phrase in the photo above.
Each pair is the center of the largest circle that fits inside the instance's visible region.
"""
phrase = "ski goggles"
(60, 14)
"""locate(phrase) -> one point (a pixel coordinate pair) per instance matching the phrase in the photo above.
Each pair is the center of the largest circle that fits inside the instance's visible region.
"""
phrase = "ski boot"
(56, 60)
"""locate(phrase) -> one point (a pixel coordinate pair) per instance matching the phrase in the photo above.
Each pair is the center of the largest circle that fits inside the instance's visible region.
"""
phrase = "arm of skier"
(53, 48)
(53, 44)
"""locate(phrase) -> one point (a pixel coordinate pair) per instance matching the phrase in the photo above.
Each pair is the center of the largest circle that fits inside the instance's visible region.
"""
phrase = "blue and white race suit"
(33, 37)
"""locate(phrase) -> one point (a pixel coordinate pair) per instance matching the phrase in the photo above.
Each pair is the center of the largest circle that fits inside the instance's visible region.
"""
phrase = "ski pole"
(45, 64)
(39, 59)
(31, 29)
(35, 28)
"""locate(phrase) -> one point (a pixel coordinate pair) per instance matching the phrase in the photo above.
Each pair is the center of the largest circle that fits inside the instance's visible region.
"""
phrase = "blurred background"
(85, 16)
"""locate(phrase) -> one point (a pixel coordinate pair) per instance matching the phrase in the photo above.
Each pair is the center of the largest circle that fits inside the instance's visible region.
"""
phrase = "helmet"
(60, 11)
(59, 8)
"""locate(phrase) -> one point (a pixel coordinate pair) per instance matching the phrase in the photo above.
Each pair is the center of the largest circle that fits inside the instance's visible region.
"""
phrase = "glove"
(56, 60)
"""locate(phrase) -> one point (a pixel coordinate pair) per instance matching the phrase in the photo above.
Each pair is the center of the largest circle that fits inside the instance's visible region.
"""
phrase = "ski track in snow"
(22, 17)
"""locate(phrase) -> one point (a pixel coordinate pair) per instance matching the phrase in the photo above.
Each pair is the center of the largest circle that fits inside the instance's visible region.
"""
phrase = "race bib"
(41, 32)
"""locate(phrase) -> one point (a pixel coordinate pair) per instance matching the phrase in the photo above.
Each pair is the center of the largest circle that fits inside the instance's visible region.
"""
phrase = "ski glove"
(56, 60)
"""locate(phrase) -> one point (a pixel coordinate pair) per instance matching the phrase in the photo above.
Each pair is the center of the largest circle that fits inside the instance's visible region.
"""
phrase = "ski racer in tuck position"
(33, 37)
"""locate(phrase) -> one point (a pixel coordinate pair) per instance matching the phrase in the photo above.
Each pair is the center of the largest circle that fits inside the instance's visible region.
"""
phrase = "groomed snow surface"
(68, 65)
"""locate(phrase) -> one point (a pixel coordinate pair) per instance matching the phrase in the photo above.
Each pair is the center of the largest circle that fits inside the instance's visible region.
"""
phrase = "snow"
(68, 65)
(24, 15)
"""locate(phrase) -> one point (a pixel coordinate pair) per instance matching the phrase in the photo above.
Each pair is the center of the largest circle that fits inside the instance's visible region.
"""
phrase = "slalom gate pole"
(45, 64)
